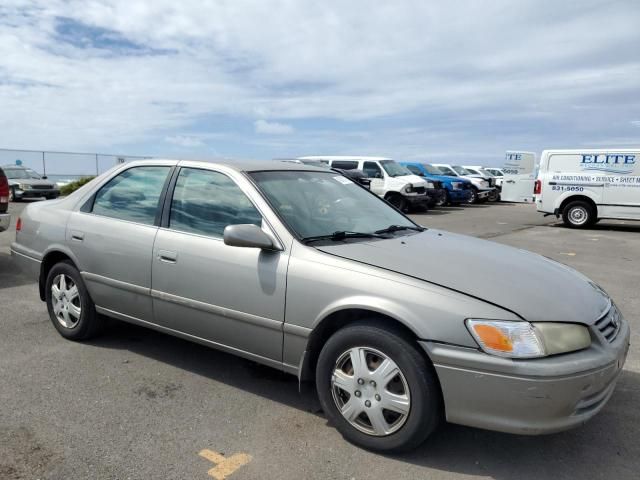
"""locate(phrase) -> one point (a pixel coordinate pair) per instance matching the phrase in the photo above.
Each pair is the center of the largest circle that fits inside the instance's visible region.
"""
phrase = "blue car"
(458, 190)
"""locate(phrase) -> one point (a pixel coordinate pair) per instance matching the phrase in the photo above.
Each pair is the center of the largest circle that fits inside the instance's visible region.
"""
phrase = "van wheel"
(70, 307)
(377, 389)
(397, 201)
(578, 214)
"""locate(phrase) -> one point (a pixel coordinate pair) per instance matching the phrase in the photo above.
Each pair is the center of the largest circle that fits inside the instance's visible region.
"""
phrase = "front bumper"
(435, 195)
(462, 195)
(36, 193)
(529, 397)
(5, 221)
(417, 199)
(484, 193)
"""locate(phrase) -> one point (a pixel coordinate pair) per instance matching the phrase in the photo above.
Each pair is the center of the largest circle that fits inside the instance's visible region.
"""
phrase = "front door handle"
(167, 256)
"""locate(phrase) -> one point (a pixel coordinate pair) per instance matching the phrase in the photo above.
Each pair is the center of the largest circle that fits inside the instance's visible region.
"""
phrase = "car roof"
(342, 157)
(238, 165)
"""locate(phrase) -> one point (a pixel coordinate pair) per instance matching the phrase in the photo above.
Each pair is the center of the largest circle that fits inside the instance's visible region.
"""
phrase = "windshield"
(21, 173)
(495, 172)
(461, 170)
(431, 170)
(447, 171)
(394, 169)
(319, 203)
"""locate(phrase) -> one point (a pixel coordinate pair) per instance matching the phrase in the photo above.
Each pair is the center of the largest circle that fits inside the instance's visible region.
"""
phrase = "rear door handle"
(78, 236)
(167, 256)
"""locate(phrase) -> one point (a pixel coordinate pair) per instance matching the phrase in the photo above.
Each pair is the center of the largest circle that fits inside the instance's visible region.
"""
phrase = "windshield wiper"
(397, 228)
(341, 235)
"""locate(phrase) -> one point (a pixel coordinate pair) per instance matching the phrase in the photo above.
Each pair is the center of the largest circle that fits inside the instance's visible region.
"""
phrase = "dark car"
(5, 218)
(27, 183)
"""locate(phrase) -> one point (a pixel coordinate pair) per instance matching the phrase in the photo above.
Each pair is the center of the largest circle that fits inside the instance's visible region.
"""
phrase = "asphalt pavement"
(138, 404)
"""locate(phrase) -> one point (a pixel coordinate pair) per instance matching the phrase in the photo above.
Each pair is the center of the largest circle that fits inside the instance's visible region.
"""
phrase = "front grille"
(466, 186)
(609, 324)
(437, 184)
(419, 190)
(492, 182)
(42, 187)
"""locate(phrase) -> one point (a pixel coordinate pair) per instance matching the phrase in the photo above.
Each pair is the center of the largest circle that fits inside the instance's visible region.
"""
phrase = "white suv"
(389, 179)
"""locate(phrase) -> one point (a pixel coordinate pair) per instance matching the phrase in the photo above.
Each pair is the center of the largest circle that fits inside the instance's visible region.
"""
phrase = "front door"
(373, 171)
(231, 296)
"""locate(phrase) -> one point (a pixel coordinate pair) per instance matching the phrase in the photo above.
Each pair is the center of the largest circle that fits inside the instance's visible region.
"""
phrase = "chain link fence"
(63, 166)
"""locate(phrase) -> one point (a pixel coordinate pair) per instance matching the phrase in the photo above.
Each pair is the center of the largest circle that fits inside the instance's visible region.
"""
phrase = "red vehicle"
(5, 218)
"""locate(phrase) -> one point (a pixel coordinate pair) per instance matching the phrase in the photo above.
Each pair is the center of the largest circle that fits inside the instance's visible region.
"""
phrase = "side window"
(345, 164)
(133, 195)
(414, 169)
(372, 170)
(204, 202)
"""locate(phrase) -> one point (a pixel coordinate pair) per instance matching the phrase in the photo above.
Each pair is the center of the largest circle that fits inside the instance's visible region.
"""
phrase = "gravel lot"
(138, 404)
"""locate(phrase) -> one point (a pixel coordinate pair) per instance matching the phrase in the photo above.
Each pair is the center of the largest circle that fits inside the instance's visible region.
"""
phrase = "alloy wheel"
(66, 302)
(370, 391)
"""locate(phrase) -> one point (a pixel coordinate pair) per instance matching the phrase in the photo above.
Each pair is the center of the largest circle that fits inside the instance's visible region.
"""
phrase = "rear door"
(519, 177)
(112, 239)
(231, 296)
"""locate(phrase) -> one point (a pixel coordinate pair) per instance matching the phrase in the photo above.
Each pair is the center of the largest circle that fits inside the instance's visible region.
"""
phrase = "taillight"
(19, 224)
(537, 187)
(4, 189)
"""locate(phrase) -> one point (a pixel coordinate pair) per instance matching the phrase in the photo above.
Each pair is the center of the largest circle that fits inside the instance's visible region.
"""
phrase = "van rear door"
(519, 177)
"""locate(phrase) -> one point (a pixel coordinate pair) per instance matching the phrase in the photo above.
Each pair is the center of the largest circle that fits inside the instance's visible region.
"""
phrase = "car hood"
(530, 285)
(449, 178)
(31, 181)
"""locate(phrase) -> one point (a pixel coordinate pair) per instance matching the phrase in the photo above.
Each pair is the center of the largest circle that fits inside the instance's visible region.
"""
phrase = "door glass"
(205, 202)
(372, 170)
(345, 164)
(414, 169)
(133, 195)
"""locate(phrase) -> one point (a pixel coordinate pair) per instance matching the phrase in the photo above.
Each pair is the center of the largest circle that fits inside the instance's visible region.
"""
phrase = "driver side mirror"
(44, 177)
(248, 236)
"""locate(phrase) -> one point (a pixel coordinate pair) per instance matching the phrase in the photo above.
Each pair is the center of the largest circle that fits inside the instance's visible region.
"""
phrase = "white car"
(389, 179)
(482, 190)
(584, 186)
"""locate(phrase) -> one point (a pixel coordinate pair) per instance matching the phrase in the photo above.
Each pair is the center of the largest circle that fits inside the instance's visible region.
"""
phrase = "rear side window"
(372, 170)
(133, 195)
(205, 202)
(344, 164)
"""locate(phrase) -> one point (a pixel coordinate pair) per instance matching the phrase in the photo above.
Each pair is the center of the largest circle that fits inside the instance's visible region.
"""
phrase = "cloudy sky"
(454, 81)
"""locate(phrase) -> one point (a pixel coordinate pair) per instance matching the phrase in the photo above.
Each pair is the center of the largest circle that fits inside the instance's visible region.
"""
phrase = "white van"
(389, 179)
(586, 185)
(519, 176)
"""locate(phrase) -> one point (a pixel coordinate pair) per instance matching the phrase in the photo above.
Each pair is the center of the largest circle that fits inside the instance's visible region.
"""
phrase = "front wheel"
(377, 389)
(12, 194)
(473, 198)
(578, 214)
(398, 201)
(70, 307)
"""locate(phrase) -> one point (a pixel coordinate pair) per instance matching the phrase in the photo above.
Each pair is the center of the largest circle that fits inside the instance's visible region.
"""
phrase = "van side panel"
(611, 178)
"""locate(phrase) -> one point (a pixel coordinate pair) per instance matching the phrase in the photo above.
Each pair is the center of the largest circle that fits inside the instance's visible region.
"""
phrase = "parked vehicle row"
(298, 268)
(5, 217)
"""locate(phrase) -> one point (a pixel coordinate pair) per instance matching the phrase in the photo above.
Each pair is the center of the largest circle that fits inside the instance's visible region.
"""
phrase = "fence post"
(44, 166)
(97, 168)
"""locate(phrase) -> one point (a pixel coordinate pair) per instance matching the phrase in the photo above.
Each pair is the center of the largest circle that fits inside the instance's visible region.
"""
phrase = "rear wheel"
(578, 214)
(377, 389)
(70, 307)
(12, 195)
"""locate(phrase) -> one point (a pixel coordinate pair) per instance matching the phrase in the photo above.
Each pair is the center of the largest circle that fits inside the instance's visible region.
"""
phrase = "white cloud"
(272, 128)
(184, 141)
(635, 123)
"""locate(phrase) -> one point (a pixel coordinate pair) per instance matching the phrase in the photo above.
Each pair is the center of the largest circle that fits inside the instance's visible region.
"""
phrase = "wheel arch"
(574, 198)
(338, 319)
(53, 256)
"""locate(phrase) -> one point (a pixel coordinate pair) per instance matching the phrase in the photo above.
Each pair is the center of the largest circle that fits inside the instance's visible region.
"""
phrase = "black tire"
(474, 195)
(12, 195)
(89, 323)
(425, 396)
(578, 214)
(494, 196)
(398, 201)
(443, 200)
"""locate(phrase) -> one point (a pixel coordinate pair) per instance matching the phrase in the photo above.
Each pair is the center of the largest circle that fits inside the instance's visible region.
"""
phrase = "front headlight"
(24, 186)
(526, 340)
(456, 185)
(408, 188)
(430, 185)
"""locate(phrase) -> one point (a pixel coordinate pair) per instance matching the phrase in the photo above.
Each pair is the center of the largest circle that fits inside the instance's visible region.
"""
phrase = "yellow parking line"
(224, 466)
